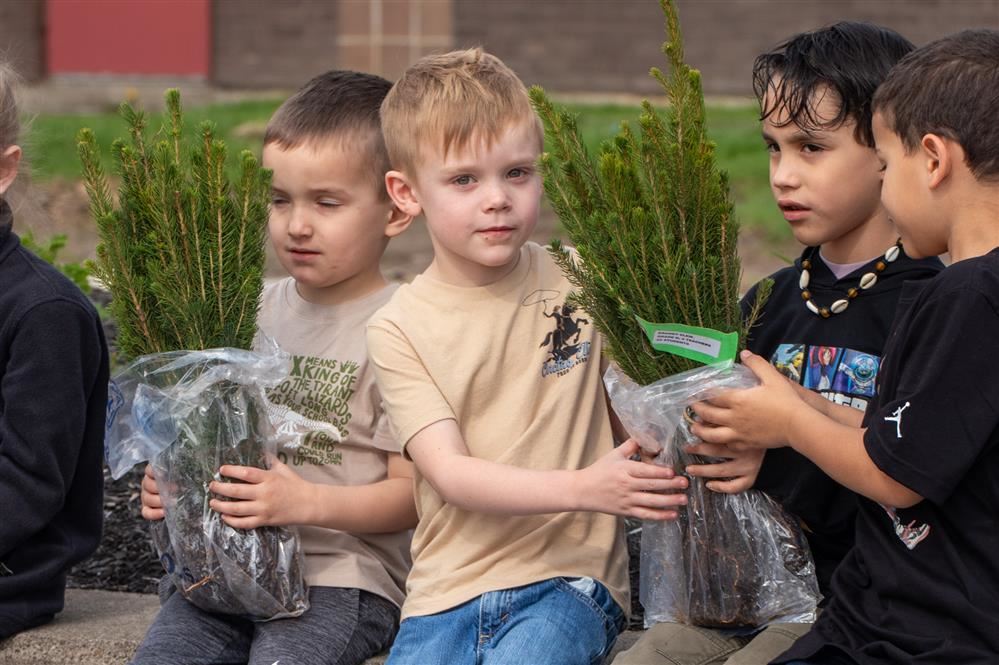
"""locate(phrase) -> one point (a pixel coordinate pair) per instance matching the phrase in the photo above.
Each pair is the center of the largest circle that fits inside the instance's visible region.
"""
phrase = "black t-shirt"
(922, 583)
(838, 357)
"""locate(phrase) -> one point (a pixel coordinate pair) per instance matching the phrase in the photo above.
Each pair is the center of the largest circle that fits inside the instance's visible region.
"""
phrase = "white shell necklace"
(867, 280)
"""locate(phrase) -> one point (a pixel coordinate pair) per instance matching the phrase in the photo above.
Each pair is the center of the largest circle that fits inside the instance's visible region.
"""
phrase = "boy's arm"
(613, 484)
(280, 497)
(774, 414)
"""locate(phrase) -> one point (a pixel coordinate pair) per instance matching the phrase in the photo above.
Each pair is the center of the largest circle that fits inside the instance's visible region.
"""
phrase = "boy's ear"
(941, 155)
(398, 222)
(9, 160)
(401, 192)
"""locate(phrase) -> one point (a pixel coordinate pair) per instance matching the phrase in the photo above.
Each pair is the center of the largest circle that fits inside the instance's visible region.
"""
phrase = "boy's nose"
(783, 174)
(497, 198)
(299, 224)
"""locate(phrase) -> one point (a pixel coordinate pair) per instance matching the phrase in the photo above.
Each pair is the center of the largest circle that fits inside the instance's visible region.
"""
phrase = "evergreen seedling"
(182, 252)
(651, 219)
(652, 222)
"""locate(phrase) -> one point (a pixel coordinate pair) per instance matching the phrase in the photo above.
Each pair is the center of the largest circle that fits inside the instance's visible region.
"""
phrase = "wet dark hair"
(340, 106)
(850, 58)
(950, 87)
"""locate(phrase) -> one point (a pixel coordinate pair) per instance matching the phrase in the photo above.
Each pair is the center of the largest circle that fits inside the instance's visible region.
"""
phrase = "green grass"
(735, 130)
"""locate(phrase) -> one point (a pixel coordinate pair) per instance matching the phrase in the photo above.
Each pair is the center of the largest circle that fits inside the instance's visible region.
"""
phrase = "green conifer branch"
(651, 219)
(182, 250)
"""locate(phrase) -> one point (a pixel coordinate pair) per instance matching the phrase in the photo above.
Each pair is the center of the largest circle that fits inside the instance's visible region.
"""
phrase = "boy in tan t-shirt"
(330, 220)
(493, 385)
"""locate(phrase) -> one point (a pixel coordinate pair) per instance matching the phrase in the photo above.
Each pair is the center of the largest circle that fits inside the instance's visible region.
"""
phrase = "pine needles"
(651, 219)
(182, 248)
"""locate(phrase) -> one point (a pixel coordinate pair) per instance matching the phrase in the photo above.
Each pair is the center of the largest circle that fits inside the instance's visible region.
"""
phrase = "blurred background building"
(568, 46)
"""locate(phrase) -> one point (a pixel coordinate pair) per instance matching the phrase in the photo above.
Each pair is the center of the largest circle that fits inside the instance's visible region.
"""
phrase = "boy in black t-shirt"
(921, 584)
(815, 94)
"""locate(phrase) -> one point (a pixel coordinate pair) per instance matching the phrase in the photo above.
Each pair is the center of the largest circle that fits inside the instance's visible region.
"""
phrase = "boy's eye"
(772, 147)
(278, 200)
(329, 203)
(463, 180)
(517, 173)
(811, 147)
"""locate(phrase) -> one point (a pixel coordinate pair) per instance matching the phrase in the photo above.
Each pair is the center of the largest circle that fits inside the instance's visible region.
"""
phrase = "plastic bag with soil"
(730, 560)
(189, 413)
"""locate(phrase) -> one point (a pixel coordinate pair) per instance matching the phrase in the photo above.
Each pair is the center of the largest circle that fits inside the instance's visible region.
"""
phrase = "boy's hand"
(757, 417)
(152, 503)
(618, 485)
(265, 497)
(737, 473)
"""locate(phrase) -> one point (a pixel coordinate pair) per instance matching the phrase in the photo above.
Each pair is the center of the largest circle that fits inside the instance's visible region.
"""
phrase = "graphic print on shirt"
(839, 374)
(910, 534)
(320, 389)
(896, 417)
(565, 345)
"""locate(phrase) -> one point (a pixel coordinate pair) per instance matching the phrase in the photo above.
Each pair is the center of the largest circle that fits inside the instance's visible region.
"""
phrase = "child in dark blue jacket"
(53, 394)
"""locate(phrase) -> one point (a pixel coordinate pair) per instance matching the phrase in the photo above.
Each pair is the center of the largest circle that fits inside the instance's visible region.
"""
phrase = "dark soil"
(125, 559)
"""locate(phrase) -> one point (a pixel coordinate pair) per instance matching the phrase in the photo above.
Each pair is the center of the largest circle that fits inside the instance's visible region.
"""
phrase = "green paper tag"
(703, 345)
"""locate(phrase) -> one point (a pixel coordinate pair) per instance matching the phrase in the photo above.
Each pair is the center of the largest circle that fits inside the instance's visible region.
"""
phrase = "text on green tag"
(703, 345)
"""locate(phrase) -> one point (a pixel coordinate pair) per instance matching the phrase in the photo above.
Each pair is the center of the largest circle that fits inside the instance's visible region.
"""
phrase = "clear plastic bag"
(190, 412)
(730, 560)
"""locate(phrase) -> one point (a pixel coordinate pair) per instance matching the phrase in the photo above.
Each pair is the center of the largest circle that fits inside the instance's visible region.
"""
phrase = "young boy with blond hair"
(921, 584)
(330, 221)
(493, 386)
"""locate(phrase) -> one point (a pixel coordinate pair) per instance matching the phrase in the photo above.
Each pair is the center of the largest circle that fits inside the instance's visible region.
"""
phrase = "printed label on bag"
(703, 345)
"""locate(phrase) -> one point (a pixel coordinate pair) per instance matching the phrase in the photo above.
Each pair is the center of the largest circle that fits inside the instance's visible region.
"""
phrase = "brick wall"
(272, 43)
(608, 46)
(21, 38)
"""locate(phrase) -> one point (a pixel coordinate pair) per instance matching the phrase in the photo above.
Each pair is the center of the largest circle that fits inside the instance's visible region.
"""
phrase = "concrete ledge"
(95, 628)
(105, 627)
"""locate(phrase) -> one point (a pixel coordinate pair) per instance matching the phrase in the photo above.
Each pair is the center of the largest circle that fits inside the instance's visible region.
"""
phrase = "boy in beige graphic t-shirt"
(330, 220)
(493, 385)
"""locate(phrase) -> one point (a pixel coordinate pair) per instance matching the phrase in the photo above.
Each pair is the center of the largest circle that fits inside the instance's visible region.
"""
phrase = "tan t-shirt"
(331, 381)
(520, 373)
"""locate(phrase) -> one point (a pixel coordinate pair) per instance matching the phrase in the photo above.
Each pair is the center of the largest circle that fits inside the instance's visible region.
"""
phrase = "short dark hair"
(949, 87)
(851, 58)
(338, 105)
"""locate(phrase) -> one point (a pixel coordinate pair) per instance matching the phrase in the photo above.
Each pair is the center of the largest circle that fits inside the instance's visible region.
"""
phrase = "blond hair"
(10, 124)
(445, 101)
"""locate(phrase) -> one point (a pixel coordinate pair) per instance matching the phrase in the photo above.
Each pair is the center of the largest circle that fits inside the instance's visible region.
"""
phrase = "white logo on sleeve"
(896, 418)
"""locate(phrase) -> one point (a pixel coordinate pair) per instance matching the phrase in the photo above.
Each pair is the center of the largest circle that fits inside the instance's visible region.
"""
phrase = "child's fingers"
(235, 508)
(719, 435)
(235, 522)
(241, 491)
(649, 515)
(647, 470)
(151, 513)
(730, 486)
(149, 472)
(149, 486)
(248, 474)
(714, 412)
(719, 470)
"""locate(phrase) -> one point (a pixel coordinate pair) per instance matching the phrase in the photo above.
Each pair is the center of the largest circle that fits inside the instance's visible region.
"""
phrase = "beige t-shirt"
(520, 374)
(331, 381)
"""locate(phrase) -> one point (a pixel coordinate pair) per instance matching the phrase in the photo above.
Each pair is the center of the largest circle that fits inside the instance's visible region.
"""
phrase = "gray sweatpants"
(341, 627)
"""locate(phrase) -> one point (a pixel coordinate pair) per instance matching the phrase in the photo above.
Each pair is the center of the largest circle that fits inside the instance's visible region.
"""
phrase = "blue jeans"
(561, 621)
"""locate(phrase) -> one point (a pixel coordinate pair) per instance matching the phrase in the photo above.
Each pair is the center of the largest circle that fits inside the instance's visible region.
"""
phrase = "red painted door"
(128, 36)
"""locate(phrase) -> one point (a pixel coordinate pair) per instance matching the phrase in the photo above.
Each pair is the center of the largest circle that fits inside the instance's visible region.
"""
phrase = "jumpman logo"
(896, 418)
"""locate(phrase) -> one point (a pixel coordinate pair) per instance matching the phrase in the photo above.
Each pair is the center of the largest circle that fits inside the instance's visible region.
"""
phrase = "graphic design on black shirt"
(565, 349)
(839, 374)
(910, 534)
(896, 417)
